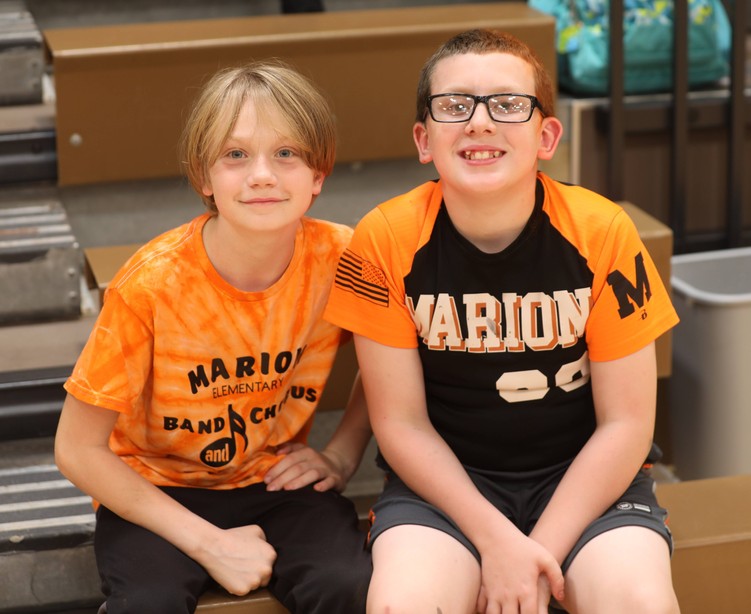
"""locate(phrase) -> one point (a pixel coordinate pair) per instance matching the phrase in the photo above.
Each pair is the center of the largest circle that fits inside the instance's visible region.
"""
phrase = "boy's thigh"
(622, 560)
(637, 507)
(626, 569)
(307, 521)
(419, 568)
(322, 562)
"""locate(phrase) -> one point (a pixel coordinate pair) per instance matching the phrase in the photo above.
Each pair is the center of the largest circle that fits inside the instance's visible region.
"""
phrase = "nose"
(481, 120)
(260, 172)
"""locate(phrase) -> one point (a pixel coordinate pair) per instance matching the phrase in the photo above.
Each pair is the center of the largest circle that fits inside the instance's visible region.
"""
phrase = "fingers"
(525, 598)
(293, 479)
(482, 600)
(292, 466)
(326, 484)
(555, 579)
(543, 595)
(300, 468)
(244, 562)
(288, 448)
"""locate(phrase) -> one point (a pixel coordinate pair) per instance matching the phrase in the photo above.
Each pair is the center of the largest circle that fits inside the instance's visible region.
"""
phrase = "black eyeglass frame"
(484, 99)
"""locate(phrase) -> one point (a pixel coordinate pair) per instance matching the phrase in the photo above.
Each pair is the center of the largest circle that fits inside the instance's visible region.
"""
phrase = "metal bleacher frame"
(732, 111)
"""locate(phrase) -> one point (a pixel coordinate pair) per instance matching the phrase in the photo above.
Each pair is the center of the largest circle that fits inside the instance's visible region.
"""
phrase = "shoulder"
(564, 198)
(159, 258)
(323, 237)
(412, 205)
(401, 219)
(584, 217)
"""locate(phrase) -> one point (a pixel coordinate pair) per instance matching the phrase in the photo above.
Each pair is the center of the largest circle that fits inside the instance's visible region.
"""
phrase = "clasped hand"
(239, 559)
(519, 578)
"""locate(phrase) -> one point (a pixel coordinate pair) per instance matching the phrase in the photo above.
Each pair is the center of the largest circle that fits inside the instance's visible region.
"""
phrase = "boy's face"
(259, 181)
(481, 155)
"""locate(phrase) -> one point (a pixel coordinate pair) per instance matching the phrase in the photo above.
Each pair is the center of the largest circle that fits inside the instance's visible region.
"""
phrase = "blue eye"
(286, 153)
(235, 154)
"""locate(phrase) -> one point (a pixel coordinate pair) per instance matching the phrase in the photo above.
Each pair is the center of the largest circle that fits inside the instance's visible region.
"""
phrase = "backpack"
(582, 44)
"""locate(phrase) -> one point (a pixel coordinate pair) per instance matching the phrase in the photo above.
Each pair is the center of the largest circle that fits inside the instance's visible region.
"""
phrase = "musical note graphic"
(222, 451)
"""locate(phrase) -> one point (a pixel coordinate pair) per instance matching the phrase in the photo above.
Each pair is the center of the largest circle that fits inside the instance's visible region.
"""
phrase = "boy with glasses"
(505, 325)
(188, 411)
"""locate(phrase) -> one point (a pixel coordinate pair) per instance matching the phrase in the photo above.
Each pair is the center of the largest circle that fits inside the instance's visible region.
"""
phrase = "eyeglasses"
(503, 108)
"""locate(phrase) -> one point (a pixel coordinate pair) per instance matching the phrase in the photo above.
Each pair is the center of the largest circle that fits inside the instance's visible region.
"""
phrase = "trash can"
(710, 388)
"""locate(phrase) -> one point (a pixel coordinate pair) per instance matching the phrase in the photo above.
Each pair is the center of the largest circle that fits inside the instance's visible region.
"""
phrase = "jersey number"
(532, 385)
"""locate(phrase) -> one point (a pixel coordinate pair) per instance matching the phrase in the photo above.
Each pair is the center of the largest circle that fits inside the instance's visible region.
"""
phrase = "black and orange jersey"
(505, 339)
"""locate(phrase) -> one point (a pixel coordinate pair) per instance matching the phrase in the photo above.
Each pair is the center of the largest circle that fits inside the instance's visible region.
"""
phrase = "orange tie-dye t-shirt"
(209, 380)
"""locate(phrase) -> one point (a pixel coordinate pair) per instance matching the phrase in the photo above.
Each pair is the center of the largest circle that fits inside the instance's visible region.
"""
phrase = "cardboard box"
(658, 239)
(102, 263)
(130, 86)
(711, 524)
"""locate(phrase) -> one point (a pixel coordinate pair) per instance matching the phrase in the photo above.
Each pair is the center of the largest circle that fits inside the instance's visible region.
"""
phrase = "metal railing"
(731, 112)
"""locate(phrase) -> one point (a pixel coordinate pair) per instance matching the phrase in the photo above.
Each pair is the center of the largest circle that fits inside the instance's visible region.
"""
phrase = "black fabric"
(486, 421)
(521, 498)
(322, 566)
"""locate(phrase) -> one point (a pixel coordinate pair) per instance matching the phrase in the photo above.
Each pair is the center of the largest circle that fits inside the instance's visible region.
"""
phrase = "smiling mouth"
(262, 201)
(481, 155)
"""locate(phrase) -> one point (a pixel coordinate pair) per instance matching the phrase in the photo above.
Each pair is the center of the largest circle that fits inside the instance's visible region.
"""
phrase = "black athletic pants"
(322, 566)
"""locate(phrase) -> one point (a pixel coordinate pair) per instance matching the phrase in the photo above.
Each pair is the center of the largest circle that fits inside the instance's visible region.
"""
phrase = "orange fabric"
(607, 237)
(208, 380)
(388, 237)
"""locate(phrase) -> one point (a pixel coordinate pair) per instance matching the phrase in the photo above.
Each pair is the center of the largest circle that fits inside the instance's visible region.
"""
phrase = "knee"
(379, 605)
(403, 599)
(394, 603)
(644, 598)
(651, 600)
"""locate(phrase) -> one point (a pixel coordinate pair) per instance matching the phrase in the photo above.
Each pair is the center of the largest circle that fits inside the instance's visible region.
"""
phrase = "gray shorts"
(522, 499)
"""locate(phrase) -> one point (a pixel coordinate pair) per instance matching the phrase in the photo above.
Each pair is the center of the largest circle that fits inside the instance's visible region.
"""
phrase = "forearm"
(107, 479)
(353, 433)
(600, 473)
(83, 455)
(624, 394)
(424, 461)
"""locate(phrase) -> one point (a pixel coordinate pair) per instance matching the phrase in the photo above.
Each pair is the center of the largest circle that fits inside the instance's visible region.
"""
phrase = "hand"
(518, 577)
(303, 465)
(241, 559)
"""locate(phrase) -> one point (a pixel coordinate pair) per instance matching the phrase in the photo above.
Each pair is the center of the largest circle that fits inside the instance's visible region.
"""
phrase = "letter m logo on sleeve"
(630, 295)
(362, 278)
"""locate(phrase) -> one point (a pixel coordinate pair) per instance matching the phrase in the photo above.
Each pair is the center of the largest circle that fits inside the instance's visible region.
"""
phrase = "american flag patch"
(362, 278)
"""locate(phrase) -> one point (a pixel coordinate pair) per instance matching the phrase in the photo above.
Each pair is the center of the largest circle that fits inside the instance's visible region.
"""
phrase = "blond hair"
(269, 85)
(483, 41)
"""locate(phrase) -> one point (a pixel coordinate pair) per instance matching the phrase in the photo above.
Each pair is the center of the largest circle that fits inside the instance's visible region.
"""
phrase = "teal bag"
(583, 44)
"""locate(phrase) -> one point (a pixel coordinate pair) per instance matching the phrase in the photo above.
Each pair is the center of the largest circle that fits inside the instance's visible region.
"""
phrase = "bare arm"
(511, 562)
(624, 393)
(335, 465)
(239, 559)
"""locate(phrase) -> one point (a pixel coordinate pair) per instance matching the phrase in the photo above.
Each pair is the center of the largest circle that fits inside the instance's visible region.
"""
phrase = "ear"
(207, 190)
(318, 183)
(551, 132)
(420, 135)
